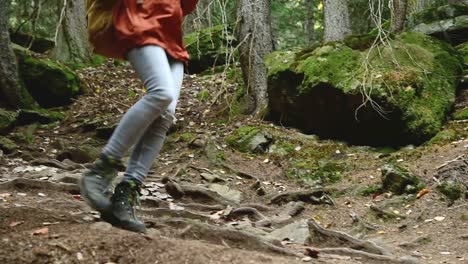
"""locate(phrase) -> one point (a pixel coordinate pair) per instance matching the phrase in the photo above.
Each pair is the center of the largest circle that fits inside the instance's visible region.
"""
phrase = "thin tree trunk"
(255, 35)
(72, 44)
(309, 24)
(399, 15)
(336, 20)
(10, 87)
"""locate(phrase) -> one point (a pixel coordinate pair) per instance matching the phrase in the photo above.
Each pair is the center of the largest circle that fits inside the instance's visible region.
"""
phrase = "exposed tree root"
(369, 246)
(314, 252)
(23, 183)
(227, 236)
(56, 164)
(314, 196)
(240, 173)
(168, 213)
(249, 211)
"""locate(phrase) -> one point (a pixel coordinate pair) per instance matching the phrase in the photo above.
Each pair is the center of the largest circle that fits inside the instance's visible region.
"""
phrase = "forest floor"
(234, 207)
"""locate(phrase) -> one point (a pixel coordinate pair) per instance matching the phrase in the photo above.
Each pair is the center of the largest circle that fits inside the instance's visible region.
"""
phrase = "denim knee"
(161, 96)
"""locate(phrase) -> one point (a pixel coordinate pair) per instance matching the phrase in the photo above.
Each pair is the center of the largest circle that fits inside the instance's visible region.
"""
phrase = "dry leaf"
(422, 193)
(41, 231)
(13, 224)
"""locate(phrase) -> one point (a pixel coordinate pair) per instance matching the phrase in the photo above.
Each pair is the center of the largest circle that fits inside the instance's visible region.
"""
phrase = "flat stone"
(226, 192)
(66, 178)
(101, 226)
(297, 232)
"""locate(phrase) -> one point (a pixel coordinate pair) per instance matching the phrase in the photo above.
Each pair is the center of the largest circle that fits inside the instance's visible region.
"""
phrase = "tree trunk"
(359, 16)
(10, 87)
(336, 20)
(309, 23)
(399, 15)
(255, 35)
(72, 44)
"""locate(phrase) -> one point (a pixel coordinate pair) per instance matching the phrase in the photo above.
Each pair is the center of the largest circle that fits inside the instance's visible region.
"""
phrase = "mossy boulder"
(207, 48)
(7, 145)
(411, 84)
(49, 82)
(42, 116)
(7, 119)
(448, 22)
(399, 180)
(250, 139)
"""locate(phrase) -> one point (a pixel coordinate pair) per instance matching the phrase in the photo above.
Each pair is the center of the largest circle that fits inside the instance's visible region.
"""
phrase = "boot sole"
(111, 219)
(100, 205)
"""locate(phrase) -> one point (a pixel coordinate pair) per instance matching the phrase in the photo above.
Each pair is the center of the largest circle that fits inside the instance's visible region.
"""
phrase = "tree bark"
(255, 35)
(400, 8)
(72, 44)
(309, 23)
(10, 87)
(336, 20)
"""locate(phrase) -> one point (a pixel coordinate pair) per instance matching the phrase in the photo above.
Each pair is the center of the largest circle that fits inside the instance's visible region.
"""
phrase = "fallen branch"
(450, 161)
(370, 246)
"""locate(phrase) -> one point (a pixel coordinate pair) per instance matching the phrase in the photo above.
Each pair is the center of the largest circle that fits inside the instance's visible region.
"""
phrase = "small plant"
(203, 95)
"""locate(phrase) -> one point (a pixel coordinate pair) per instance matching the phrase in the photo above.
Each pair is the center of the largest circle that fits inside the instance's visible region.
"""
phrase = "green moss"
(241, 137)
(7, 119)
(438, 13)
(50, 83)
(444, 136)
(187, 137)
(7, 145)
(461, 114)
(399, 180)
(203, 95)
(97, 60)
(453, 191)
(464, 217)
(207, 47)
(316, 173)
(370, 190)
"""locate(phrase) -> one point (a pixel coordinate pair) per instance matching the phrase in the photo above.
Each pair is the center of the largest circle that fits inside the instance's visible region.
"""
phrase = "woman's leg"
(148, 147)
(152, 65)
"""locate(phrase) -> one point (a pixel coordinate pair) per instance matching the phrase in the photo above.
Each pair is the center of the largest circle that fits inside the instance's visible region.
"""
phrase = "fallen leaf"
(79, 256)
(439, 218)
(5, 195)
(13, 224)
(422, 193)
(41, 231)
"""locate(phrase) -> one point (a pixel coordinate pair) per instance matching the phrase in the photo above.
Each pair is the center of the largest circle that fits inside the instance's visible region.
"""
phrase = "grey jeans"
(146, 123)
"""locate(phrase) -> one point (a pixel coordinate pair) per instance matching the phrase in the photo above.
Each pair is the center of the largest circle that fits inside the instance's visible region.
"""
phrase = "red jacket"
(154, 22)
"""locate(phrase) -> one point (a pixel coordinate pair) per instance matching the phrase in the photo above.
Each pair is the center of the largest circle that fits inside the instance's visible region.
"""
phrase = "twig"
(386, 213)
(450, 161)
(313, 251)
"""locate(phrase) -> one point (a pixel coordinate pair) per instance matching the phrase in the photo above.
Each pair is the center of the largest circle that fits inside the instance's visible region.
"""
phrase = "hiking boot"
(94, 185)
(123, 212)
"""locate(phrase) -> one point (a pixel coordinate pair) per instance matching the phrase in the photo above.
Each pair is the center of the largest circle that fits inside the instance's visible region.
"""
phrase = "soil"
(44, 221)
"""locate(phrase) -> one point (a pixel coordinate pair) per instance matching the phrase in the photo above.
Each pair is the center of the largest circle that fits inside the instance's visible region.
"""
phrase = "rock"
(81, 154)
(39, 45)
(211, 178)
(453, 179)
(43, 116)
(7, 120)
(66, 178)
(399, 180)
(297, 232)
(50, 83)
(318, 90)
(448, 22)
(207, 48)
(250, 139)
(7, 145)
(226, 192)
(197, 143)
(101, 226)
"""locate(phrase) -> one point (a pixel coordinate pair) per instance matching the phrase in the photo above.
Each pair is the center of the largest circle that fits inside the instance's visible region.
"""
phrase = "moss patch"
(461, 114)
(320, 90)
(50, 83)
(7, 119)
(453, 191)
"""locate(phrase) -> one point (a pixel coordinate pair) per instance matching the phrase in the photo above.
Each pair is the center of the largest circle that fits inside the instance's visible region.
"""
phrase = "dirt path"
(234, 207)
